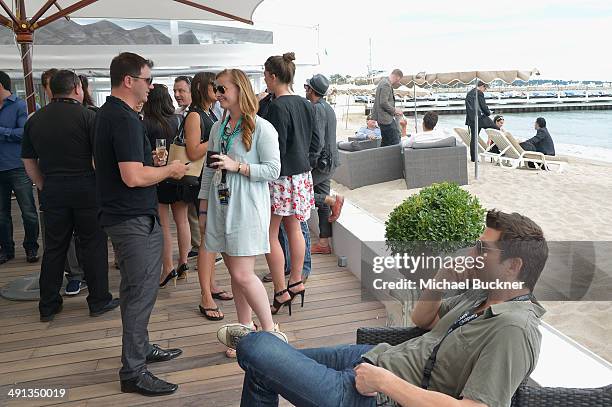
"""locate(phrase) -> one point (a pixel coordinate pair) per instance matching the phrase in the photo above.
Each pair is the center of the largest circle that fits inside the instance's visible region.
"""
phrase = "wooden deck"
(82, 354)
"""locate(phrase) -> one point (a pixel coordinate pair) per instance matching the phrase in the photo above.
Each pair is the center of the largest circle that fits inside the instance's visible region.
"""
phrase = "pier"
(501, 105)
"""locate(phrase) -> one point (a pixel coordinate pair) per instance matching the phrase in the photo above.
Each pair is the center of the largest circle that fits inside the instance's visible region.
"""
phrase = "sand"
(573, 205)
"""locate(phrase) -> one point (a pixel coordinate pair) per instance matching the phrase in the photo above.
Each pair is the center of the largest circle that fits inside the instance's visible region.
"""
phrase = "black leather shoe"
(50, 317)
(4, 257)
(31, 255)
(111, 305)
(161, 355)
(148, 385)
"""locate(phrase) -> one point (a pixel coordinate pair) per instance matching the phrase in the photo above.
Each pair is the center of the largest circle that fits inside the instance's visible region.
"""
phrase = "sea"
(582, 133)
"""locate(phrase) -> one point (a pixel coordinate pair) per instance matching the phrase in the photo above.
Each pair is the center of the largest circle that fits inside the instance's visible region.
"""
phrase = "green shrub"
(440, 218)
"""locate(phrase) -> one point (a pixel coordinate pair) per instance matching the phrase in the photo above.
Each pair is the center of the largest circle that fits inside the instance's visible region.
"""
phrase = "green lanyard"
(228, 139)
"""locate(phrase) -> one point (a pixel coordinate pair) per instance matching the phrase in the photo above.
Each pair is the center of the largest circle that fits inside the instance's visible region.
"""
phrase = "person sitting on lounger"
(542, 142)
(499, 121)
(429, 134)
(480, 346)
(369, 132)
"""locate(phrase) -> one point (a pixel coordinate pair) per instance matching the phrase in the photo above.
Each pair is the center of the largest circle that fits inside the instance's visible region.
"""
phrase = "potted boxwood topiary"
(437, 221)
(440, 218)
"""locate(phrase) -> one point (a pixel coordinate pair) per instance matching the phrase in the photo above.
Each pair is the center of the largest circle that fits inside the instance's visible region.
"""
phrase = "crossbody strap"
(464, 319)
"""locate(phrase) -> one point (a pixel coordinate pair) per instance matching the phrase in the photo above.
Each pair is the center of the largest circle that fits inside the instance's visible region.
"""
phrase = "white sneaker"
(230, 334)
(280, 335)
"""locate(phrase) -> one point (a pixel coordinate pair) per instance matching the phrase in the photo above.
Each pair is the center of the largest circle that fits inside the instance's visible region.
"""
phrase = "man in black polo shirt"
(57, 154)
(128, 213)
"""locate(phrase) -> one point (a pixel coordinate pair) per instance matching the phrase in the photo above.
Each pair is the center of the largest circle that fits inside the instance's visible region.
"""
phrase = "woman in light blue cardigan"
(235, 199)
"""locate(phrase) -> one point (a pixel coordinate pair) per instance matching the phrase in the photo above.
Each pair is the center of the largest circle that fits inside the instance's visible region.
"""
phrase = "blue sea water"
(582, 133)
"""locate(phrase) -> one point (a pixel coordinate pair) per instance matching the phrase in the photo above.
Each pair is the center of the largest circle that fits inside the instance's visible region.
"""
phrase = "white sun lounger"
(565, 363)
(483, 149)
(513, 153)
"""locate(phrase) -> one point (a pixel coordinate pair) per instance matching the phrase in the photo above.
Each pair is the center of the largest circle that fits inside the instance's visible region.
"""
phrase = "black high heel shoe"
(277, 305)
(295, 294)
(171, 276)
(182, 271)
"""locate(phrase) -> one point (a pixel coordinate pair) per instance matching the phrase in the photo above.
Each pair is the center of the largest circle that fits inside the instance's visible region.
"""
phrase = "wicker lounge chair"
(423, 167)
(527, 395)
(368, 167)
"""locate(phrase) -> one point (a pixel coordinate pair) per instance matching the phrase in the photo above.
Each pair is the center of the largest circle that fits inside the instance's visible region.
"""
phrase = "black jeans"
(69, 204)
(17, 181)
(322, 188)
(473, 142)
(390, 134)
(474, 136)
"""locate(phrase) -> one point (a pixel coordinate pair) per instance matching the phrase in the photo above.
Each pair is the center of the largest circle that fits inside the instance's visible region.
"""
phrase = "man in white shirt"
(182, 94)
(429, 134)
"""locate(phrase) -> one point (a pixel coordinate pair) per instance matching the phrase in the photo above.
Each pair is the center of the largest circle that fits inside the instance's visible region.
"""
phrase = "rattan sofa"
(526, 395)
(424, 166)
(368, 167)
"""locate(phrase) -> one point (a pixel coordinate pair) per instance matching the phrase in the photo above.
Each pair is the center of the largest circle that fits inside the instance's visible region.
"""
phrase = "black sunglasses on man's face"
(148, 80)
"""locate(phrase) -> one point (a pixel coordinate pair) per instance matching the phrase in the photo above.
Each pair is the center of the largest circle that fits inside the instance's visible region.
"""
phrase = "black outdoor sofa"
(527, 395)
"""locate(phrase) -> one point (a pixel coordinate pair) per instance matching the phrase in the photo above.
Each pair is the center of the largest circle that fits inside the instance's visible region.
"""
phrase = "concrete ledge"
(355, 233)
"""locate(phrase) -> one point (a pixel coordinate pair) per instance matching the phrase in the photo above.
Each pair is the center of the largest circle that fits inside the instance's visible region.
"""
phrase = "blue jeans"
(318, 377)
(282, 237)
(17, 181)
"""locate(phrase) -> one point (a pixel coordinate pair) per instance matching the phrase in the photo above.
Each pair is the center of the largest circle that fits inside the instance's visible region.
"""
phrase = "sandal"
(277, 305)
(205, 312)
(294, 294)
(223, 296)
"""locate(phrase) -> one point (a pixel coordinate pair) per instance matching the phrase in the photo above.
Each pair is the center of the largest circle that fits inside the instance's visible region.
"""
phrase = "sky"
(563, 39)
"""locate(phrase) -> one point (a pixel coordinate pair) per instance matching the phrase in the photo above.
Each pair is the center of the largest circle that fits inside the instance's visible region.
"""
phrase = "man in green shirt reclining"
(480, 346)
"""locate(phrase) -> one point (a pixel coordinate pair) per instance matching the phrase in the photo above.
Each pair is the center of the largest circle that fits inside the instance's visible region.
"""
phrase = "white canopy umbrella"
(416, 91)
(239, 10)
(352, 89)
(451, 78)
(42, 12)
